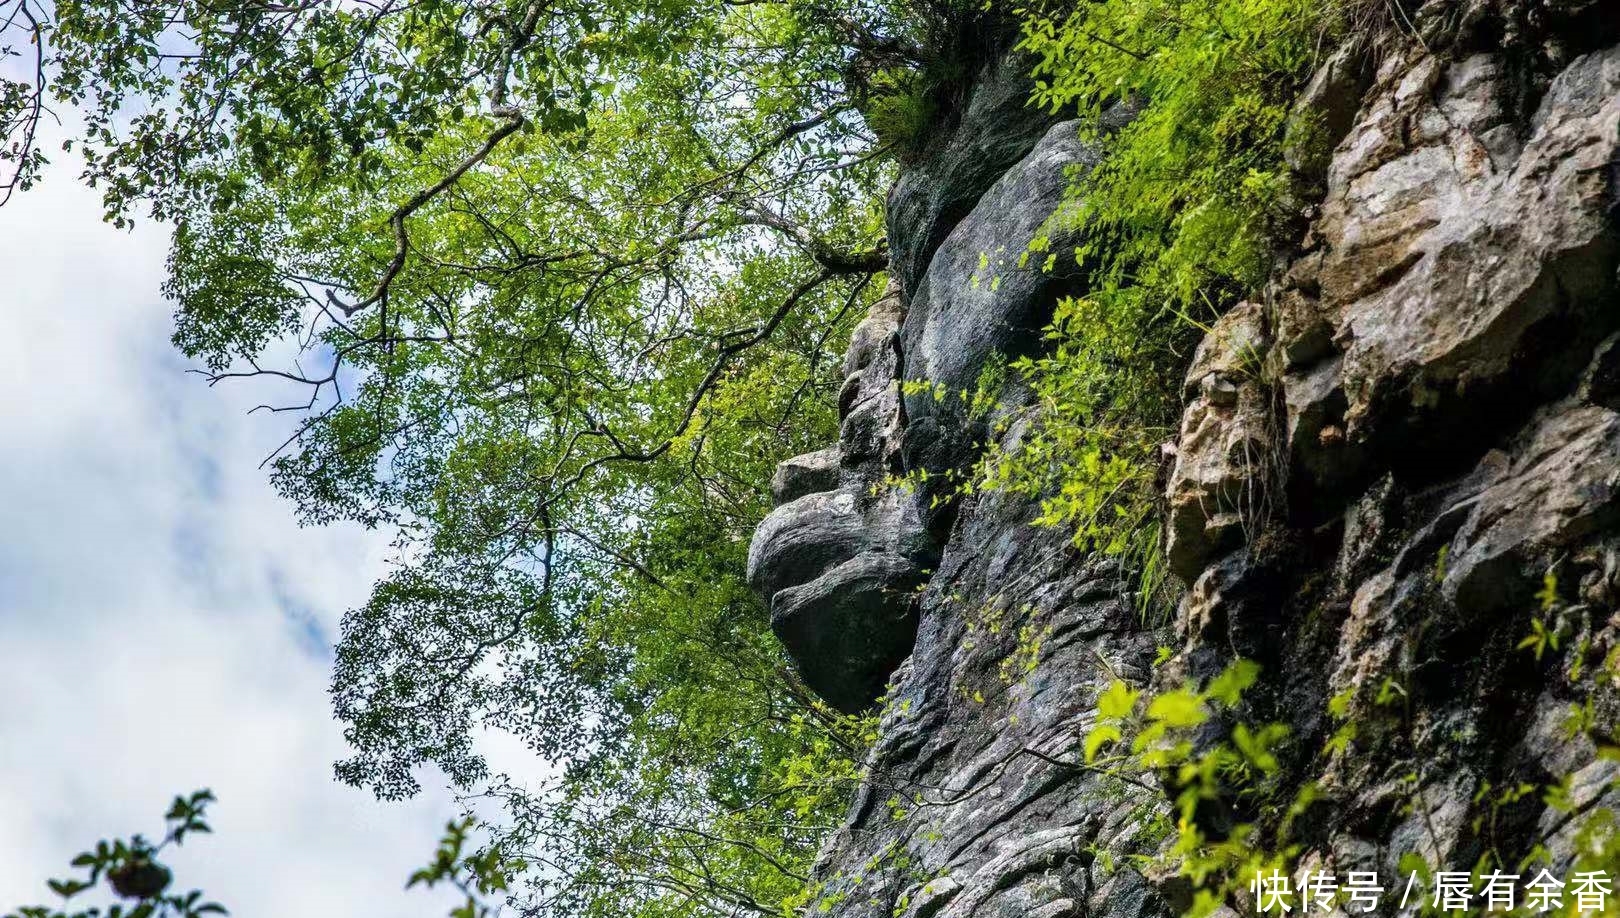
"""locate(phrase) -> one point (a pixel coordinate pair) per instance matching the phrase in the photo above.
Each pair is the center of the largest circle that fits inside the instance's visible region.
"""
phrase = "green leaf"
(1098, 737)
(1228, 687)
(1117, 701)
(67, 889)
(1177, 709)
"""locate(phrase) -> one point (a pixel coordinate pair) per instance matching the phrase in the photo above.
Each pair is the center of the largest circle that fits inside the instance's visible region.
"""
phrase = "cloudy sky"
(164, 624)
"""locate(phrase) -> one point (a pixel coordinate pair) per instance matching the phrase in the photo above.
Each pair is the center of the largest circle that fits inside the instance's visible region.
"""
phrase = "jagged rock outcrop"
(1225, 458)
(1436, 353)
(1392, 461)
(841, 556)
(1462, 263)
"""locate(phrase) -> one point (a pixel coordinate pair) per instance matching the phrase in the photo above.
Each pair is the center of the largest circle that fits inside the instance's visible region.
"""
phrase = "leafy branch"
(132, 872)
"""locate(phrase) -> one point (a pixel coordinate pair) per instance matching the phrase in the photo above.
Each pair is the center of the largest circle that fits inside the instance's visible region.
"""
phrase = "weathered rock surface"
(1393, 463)
(974, 805)
(1463, 261)
(984, 297)
(994, 130)
(982, 293)
(811, 473)
(1437, 360)
(840, 558)
(1222, 469)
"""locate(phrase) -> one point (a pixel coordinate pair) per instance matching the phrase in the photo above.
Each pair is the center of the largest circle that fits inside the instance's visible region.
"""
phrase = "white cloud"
(162, 618)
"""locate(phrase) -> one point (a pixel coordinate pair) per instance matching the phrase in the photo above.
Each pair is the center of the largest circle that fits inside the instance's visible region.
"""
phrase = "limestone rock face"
(1436, 369)
(1221, 472)
(1394, 462)
(998, 820)
(811, 473)
(984, 297)
(981, 293)
(861, 576)
(1464, 257)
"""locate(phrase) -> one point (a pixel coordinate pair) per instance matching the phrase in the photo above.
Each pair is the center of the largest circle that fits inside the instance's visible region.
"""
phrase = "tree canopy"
(549, 286)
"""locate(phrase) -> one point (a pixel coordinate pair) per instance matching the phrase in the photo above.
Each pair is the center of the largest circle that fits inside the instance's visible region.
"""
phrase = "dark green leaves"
(130, 871)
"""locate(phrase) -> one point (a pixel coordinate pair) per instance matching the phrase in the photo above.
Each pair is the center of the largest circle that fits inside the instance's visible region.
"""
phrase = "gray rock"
(837, 570)
(1563, 484)
(801, 539)
(850, 627)
(984, 294)
(871, 427)
(873, 338)
(1455, 264)
(840, 519)
(995, 130)
(836, 561)
(990, 826)
(806, 474)
(1226, 456)
(1326, 109)
(1424, 372)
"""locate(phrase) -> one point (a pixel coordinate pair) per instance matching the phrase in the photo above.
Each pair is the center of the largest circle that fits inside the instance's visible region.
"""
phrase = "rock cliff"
(1395, 462)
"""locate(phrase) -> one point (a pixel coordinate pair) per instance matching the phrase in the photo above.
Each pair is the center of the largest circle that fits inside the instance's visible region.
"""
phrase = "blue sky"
(164, 624)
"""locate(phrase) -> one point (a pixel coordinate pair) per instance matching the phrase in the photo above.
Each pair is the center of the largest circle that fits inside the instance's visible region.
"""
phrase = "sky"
(164, 623)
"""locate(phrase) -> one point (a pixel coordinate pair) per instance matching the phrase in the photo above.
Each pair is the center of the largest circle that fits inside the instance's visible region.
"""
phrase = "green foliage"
(477, 875)
(552, 286)
(315, 92)
(1234, 769)
(572, 277)
(130, 871)
(1182, 212)
(1089, 450)
(1582, 820)
(1179, 222)
(899, 106)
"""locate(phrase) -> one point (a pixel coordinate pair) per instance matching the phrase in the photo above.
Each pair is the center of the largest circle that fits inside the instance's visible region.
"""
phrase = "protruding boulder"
(801, 539)
(837, 560)
(837, 570)
(850, 627)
